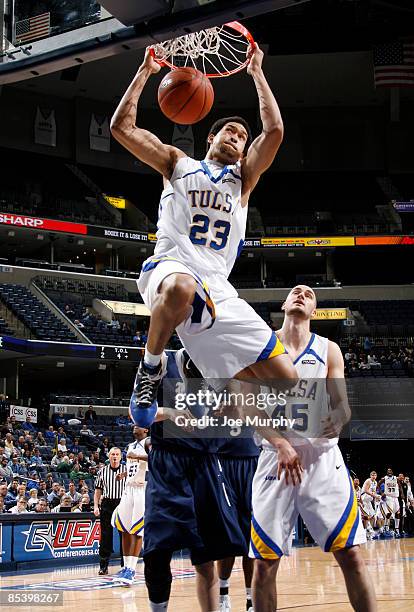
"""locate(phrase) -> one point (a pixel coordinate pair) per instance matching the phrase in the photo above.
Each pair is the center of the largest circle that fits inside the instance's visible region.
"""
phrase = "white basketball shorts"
(389, 506)
(223, 334)
(367, 506)
(128, 516)
(325, 499)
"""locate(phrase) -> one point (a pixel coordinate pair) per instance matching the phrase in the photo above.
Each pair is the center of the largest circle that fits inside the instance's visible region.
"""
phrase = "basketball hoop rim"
(235, 25)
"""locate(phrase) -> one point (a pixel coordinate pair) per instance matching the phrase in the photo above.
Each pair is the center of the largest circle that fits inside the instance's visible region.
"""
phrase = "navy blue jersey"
(168, 436)
(240, 446)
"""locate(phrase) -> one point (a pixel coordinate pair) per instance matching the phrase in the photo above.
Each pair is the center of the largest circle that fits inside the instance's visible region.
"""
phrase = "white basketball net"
(218, 51)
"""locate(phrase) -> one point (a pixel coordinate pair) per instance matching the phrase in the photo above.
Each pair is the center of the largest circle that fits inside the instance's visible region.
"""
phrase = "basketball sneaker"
(225, 603)
(143, 404)
(126, 576)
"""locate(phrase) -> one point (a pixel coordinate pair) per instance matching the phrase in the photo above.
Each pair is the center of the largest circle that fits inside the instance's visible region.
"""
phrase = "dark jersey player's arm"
(263, 149)
(142, 143)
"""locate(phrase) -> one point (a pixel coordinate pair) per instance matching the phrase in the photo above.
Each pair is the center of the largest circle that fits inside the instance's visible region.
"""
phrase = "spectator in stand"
(126, 330)
(82, 485)
(62, 445)
(59, 419)
(54, 495)
(367, 345)
(17, 467)
(75, 473)
(58, 498)
(137, 339)
(7, 427)
(373, 361)
(78, 324)
(27, 457)
(123, 420)
(42, 492)
(41, 439)
(104, 448)
(65, 504)
(115, 324)
(36, 462)
(20, 507)
(41, 506)
(49, 482)
(28, 442)
(144, 337)
(364, 365)
(22, 490)
(4, 407)
(5, 470)
(87, 437)
(83, 462)
(56, 459)
(28, 425)
(84, 504)
(93, 471)
(3, 509)
(33, 480)
(65, 466)
(90, 415)
(75, 447)
(76, 497)
(61, 433)
(9, 443)
(33, 499)
(68, 311)
(80, 415)
(50, 435)
(12, 487)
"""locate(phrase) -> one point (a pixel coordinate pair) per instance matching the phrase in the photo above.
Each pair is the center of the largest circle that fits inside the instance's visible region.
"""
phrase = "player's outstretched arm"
(263, 149)
(142, 143)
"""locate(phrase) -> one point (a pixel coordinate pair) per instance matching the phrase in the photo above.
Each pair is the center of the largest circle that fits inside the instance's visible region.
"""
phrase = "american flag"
(32, 28)
(394, 64)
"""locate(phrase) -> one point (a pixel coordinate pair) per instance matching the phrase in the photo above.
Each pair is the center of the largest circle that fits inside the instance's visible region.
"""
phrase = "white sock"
(127, 561)
(248, 593)
(151, 360)
(224, 584)
(397, 523)
(132, 563)
(158, 607)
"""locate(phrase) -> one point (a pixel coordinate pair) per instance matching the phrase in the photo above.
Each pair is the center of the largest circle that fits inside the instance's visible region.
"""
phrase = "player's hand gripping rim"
(289, 461)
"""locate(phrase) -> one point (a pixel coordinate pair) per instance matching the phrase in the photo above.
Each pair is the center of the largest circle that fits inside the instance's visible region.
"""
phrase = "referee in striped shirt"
(109, 487)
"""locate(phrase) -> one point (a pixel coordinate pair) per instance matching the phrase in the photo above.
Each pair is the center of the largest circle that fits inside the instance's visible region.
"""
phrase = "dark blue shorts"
(239, 473)
(187, 505)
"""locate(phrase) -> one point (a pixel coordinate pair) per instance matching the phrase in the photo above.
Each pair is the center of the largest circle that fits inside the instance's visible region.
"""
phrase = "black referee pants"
(105, 543)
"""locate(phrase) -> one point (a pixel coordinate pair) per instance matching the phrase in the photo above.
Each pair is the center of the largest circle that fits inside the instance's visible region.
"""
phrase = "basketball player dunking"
(325, 497)
(201, 229)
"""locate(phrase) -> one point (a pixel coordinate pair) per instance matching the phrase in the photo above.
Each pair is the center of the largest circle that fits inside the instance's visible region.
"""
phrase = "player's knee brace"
(158, 576)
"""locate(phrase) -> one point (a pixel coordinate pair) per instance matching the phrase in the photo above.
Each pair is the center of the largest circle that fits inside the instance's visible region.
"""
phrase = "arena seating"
(39, 319)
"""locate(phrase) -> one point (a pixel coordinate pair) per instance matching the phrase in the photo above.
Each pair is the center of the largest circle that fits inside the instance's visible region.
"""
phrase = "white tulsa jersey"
(371, 486)
(307, 402)
(358, 493)
(391, 486)
(135, 468)
(201, 221)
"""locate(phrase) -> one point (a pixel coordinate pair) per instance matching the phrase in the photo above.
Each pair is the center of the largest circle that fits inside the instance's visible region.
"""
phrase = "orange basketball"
(185, 95)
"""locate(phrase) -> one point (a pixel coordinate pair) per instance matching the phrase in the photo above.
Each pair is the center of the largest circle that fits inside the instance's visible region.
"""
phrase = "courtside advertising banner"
(66, 537)
(5, 543)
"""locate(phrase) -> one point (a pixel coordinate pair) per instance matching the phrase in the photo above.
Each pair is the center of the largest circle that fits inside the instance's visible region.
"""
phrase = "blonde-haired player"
(369, 496)
(325, 497)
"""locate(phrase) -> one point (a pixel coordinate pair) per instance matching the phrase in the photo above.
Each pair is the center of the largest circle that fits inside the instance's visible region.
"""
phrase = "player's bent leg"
(171, 307)
(158, 578)
(264, 584)
(207, 587)
(358, 582)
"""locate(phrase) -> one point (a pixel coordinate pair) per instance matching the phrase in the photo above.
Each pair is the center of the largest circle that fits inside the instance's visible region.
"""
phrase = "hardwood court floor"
(308, 580)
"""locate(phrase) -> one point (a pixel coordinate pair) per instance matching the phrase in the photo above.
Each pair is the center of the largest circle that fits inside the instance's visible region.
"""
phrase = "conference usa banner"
(66, 537)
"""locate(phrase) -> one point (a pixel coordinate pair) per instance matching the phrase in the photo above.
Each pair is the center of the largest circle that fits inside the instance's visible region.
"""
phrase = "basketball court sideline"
(308, 580)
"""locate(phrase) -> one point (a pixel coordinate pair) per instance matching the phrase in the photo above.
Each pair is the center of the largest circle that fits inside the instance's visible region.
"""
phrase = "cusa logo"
(62, 536)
